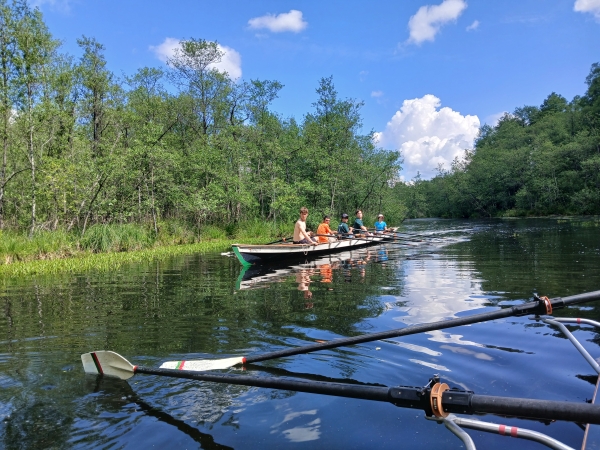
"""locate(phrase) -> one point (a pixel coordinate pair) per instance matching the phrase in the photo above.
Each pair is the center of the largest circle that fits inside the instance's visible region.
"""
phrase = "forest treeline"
(81, 146)
(188, 145)
(535, 161)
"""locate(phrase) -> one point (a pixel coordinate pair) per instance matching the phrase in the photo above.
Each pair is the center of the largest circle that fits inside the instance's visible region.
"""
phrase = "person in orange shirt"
(323, 230)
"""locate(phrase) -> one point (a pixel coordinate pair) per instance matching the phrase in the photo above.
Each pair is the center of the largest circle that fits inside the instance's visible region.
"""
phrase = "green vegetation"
(536, 161)
(167, 156)
(105, 247)
(80, 262)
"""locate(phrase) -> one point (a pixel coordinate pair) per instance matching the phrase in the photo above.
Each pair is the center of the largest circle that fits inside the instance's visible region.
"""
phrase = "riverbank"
(107, 247)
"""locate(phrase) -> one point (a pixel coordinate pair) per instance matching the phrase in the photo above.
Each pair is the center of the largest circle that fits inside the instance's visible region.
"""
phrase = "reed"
(42, 245)
(261, 231)
(116, 238)
(108, 246)
(105, 261)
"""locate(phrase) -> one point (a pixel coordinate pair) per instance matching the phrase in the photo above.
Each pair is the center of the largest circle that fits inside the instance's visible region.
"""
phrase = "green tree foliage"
(536, 161)
(185, 145)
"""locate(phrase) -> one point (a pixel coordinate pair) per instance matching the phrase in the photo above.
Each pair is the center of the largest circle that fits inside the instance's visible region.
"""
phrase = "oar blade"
(107, 363)
(203, 365)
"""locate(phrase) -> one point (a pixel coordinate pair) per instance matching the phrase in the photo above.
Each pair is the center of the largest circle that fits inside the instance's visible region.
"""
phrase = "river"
(205, 306)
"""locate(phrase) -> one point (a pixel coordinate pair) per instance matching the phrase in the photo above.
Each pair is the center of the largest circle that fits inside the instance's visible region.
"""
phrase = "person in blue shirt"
(380, 225)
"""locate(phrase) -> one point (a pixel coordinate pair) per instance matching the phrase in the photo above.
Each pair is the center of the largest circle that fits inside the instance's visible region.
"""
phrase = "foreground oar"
(540, 306)
(435, 399)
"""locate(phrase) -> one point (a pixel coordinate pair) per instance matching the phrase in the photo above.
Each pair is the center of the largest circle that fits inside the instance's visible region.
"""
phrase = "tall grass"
(260, 230)
(104, 261)
(116, 238)
(42, 245)
(174, 232)
(104, 247)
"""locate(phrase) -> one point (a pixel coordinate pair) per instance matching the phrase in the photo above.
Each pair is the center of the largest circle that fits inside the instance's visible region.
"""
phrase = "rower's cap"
(380, 215)
(344, 216)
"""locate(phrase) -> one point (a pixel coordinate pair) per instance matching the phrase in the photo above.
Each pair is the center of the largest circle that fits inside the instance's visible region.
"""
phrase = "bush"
(174, 232)
(19, 246)
(211, 232)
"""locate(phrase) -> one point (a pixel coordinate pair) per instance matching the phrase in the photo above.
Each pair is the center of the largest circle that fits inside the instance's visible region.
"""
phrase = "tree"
(35, 50)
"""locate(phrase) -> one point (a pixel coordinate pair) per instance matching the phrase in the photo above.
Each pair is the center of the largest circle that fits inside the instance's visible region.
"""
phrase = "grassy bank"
(106, 247)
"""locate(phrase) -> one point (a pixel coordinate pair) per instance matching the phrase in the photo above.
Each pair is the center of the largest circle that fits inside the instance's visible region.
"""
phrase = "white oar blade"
(202, 365)
(107, 363)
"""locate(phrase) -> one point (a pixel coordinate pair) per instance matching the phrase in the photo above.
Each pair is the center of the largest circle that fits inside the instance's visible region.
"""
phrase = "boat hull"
(260, 254)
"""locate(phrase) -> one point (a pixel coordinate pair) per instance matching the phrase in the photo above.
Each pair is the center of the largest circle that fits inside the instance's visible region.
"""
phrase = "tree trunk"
(31, 159)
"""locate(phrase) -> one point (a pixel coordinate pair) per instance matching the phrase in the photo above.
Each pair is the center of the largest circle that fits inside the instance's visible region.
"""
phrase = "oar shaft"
(518, 310)
(538, 409)
(376, 393)
(460, 402)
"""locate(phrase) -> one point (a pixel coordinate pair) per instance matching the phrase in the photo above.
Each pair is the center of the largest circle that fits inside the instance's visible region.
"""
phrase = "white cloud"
(291, 21)
(588, 6)
(428, 135)
(165, 50)
(428, 20)
(473, 26)
(231, 61)
(493, 119)
(376, 94)
(362, 75)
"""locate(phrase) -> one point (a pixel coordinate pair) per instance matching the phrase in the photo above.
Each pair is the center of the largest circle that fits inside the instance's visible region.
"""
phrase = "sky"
(429, 72)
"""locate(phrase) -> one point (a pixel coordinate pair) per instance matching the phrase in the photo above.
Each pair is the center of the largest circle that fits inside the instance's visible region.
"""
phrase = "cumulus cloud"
(588, 6)
(278, 23)
(165, 50)
(428, 135)
(231, 61)
(428, 20)
(473, 26)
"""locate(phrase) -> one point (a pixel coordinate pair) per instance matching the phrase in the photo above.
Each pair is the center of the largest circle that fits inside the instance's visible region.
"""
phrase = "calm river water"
(203, 306)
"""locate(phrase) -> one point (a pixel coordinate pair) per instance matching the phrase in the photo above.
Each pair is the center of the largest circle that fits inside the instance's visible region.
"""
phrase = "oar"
(280, 240)
(540, 306)
(435, 399)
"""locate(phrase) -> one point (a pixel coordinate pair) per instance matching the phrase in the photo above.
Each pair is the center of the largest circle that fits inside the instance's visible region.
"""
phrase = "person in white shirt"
(300, 234)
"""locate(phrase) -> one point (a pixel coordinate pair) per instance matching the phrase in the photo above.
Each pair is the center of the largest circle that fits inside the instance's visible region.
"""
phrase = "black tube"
(536, 409)
(407, 397)
(518, 310)
(377, 393)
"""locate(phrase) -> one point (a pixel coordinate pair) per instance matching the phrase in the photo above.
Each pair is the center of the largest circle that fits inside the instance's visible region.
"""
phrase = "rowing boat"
(263, 275)
(260, 254)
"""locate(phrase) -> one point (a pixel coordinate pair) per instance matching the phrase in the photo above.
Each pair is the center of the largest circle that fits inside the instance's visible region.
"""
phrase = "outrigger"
(439, 402)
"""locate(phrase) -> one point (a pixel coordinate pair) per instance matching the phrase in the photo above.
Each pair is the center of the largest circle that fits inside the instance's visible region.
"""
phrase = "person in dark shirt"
(343, 228)
(358, 226)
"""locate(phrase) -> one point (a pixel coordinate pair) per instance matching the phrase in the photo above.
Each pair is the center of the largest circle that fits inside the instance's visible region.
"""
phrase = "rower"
(323, 231)
(358, 225)
(380, 225)
(343, 228)
(300, 234)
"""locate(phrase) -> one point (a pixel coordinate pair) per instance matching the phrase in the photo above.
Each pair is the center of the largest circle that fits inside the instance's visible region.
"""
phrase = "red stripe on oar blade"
(513, 431)
(180, 365)
(244, 360)
(97, 364)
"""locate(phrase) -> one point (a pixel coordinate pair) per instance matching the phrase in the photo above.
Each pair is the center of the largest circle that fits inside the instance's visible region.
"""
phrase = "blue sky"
(429, 72)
